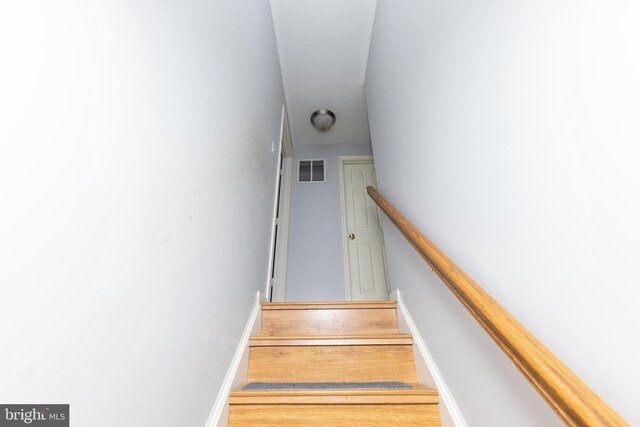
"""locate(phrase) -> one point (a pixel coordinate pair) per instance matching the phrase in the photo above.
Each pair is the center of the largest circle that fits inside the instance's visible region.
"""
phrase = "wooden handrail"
(574, 402)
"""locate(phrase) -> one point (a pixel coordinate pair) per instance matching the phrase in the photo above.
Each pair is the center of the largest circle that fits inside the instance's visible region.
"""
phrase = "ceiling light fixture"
(323, 119)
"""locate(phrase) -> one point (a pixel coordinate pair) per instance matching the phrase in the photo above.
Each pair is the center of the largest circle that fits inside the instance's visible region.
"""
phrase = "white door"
(276, 280)
(366, 259)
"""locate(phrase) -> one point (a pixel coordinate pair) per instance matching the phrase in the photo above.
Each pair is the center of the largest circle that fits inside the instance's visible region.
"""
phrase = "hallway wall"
(315, 266)
(135, 158)
(508, 132)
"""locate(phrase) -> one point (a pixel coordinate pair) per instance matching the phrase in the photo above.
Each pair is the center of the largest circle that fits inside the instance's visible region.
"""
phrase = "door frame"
(277, 269)
(342, 161)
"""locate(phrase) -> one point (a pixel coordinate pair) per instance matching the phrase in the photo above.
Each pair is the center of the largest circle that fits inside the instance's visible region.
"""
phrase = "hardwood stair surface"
(335, 415)
(339, 342)
(364, 318)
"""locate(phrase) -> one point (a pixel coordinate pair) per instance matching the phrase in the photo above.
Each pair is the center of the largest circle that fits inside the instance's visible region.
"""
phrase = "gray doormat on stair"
(325, 386)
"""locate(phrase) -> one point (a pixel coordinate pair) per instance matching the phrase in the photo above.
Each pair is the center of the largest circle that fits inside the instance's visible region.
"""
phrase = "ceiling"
(323, 49)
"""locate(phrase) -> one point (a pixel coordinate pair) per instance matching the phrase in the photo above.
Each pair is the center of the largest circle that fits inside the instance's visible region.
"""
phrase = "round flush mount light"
(323, 119)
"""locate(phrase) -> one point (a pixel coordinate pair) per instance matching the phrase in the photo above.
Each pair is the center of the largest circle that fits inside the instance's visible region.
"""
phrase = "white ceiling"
(323, 49)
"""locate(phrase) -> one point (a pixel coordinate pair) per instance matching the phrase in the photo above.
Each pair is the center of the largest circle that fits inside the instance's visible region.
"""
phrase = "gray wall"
(315, 262)
(135, 161)
(507, 130)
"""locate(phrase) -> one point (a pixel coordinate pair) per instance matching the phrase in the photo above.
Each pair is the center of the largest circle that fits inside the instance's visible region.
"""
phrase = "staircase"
(354, 345)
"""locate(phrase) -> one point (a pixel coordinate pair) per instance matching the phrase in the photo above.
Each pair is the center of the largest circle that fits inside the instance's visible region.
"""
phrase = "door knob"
(352, 236)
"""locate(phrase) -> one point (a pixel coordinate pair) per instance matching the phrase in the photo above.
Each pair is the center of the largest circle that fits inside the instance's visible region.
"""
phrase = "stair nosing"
(336, 305)
(330, 340)
(417, 395)
(416, 389)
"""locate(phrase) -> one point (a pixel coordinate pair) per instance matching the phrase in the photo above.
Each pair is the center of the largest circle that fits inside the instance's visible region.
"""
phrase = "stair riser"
(335, 415)
(364, 363)
(329, 322)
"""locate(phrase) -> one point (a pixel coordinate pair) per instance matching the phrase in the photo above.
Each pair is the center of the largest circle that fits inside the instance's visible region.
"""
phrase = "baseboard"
(237, 374)
(426, 369)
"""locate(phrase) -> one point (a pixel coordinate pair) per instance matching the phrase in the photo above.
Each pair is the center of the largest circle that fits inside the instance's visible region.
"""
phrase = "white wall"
(508, 132)
(315, 265)
(135, 156)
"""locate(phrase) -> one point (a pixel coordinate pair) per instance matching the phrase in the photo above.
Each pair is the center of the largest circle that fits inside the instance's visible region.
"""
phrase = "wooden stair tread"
(317, 340)
(328, 305)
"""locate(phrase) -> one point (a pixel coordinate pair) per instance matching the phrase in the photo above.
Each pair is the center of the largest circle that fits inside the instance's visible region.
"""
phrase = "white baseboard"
(426, 369)
(237, 374)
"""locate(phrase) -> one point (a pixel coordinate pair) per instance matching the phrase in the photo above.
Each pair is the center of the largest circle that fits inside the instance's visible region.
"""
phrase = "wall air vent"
(311, 171)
